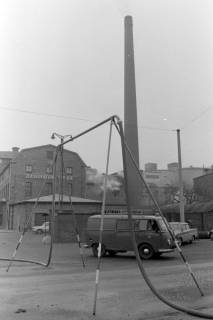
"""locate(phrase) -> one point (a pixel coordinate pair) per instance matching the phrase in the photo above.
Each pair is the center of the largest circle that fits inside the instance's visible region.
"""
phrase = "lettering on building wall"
(152, 176)
(45, 176)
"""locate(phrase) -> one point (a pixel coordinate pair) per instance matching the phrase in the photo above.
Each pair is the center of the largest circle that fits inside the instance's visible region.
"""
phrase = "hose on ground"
(186, 310)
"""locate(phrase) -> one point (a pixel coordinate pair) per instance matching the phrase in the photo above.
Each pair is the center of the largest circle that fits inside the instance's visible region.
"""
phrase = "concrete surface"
(66, 291)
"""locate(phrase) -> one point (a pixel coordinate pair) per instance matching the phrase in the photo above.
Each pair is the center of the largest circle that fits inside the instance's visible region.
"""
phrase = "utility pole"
(182, 215)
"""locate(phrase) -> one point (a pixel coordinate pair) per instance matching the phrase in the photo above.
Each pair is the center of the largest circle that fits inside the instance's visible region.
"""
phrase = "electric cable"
(186, 310)
(45, 114)
(37, 113)
(197, 117)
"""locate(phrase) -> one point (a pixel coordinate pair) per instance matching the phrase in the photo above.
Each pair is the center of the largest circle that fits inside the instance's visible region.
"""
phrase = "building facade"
(64, 230)
(203, 187)
(29, 174)
(169, 176)
(164, 185)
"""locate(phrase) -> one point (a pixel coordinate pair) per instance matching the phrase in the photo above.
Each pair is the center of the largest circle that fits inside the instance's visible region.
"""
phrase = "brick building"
(28, 173)
(203, 187)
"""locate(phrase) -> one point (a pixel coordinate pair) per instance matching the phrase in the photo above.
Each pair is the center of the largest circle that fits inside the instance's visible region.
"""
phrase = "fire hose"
(186, 310)
(119, 128)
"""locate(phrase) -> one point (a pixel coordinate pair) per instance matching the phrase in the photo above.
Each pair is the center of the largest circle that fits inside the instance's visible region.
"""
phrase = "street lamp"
(62, 138)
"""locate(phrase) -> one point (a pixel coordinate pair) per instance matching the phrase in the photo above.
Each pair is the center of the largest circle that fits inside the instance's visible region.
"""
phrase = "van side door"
(123, 236)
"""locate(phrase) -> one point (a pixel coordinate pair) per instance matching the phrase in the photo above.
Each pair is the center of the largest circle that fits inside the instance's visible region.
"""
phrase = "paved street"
(66, 291)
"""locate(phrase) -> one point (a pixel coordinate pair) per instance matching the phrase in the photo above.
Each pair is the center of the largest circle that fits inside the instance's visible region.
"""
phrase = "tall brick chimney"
(130, 117)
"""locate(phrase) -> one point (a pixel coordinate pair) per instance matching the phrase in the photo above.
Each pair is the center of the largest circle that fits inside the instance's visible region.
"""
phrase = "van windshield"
(162, 225)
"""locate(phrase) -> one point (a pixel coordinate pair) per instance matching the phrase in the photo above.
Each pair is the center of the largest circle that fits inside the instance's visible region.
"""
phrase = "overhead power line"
(54, 115)
(201, 114)
(38, 113)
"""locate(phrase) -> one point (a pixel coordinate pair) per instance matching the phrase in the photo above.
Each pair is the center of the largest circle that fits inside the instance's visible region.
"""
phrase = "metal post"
(62, 173)
(9, 222)
(61, 180)
(102, 222)
(182, 216)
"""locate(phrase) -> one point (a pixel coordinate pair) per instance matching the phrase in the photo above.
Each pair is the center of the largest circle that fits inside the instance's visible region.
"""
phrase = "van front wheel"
(146, 251)
(95, 250)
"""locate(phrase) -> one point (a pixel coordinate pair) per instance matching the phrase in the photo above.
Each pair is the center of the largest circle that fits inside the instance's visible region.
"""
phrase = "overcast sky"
(61, 70)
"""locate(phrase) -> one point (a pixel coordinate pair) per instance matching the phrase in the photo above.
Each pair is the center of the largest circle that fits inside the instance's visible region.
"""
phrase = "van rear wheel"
(146, 251)
(95, 250)
(112, 253)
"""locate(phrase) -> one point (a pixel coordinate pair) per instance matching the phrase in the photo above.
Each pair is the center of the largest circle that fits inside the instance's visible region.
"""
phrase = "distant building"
(164, 184)
(149, 167)
(172, 166)
(28, 173)
(169, 177)
(203, 187)
(7, 156)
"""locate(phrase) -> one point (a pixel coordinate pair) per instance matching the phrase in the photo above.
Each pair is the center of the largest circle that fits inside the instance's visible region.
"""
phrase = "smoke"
(96, 179)
(112, 184)
(120, 174)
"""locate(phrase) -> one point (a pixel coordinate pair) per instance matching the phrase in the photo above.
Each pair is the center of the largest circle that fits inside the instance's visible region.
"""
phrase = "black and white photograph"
(106, 159)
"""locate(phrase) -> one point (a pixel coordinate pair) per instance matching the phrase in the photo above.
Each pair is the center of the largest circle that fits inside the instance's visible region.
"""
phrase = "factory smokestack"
(130, 116)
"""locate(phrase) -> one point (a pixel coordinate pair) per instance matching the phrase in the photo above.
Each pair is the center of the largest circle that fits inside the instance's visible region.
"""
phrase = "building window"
(28, 189)
(115, 192)
(49, 188)
(50, 155)
(49, 170)
(70, 189)
(68, 170)
(28, 168)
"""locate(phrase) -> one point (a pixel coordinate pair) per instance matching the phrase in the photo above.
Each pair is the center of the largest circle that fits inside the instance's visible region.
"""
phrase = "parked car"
(204, 234)
(152, 236)
(211, 234)
(45, 227)
(183, 232)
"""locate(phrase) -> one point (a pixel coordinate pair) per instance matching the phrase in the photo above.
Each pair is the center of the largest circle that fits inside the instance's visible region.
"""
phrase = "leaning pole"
(130, 116)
